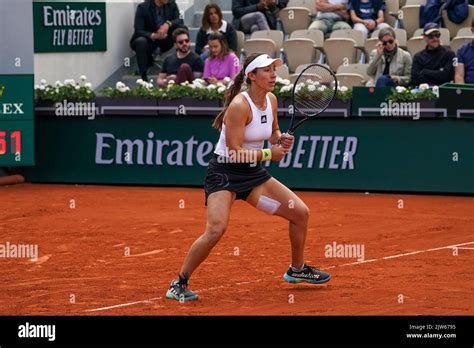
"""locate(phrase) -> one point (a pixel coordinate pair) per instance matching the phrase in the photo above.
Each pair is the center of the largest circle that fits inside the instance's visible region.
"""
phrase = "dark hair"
(233, 90)
(205, 17)
(179, 31)
(223, 41)
(387, 31)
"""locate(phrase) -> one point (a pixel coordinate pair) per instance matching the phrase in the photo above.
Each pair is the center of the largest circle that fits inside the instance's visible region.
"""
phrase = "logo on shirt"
(263, 119)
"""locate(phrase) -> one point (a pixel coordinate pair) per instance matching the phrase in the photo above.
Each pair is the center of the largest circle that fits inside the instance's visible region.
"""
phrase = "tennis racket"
(313, 91)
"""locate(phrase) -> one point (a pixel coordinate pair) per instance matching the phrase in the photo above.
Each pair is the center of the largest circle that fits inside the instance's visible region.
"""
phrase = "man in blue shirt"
(367, 15)
(464, 72)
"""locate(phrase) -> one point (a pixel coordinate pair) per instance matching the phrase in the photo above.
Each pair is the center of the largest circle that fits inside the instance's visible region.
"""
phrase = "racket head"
(313, 91)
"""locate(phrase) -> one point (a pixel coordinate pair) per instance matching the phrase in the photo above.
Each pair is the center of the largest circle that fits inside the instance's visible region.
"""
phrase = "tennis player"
(235, 172)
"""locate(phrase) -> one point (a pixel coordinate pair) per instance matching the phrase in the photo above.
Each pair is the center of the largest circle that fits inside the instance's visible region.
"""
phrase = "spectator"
(367, 15)
(332, 15)
(184, 65)
(253, 15)
(155, 21)
(435, 64)
(389, 64)
(222, 62)
(464, 72)
(212, 22)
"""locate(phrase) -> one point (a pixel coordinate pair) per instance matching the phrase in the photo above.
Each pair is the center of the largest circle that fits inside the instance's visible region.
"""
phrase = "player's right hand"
(278, 152)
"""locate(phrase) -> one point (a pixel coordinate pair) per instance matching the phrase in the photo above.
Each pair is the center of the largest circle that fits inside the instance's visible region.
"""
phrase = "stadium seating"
(294, 18)
(410, 18)
(299, 51)
(339, 51)
(260, 45)
(309, 4)
(453, 27)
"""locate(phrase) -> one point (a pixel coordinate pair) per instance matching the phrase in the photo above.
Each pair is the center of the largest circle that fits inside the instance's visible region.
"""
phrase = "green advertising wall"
(16, 120)
(69, 26)
(431, 155)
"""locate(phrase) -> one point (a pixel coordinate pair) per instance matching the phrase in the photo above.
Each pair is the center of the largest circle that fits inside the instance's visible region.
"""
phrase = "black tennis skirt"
(240, 178)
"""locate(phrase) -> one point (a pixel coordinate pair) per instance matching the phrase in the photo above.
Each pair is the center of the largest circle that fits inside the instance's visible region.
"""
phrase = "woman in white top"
(235, 172)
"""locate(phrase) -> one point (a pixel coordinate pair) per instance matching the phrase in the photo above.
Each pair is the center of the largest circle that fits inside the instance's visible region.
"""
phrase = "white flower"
(192, 86)
(37, 86)
(42, 87)
(220, 84)
(400, 89)
(286, 82)
(414, 91)
(423, 87)
(185, 83)
(43, 82)
(343, 89)
(279, 79)
(88, 85)
(221, 89)
(69, 82)
(139, 81)
(171, 82)
(83, 78)
(56, 90)
(78, 87)
(58, 84)
(436, 90)
(311, 88)
(148, 85)
(201, 81)
(227, 79)
(211, 86)
(322, 88)
(119, 85)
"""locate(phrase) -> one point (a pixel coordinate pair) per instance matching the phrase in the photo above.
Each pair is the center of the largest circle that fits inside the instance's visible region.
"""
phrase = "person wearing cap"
(464, 69)
(235, 172)
(435, 64)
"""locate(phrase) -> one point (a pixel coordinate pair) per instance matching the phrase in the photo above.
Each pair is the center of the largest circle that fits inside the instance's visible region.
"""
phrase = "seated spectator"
(434, 65)
(367, 15)
(464, 71)
(253, 15)
(155, 21)
(212, 22)
(332, 15)
(184, 65)
(389, 64)
(222, 62)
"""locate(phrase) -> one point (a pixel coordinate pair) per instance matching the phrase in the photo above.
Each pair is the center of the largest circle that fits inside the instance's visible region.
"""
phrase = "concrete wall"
(97, 66)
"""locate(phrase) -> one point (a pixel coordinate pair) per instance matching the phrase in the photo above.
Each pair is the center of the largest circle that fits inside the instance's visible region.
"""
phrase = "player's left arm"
(286, 139)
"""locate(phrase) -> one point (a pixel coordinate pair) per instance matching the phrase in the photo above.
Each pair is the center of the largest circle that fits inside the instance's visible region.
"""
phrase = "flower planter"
(189, 106)
(127, 106)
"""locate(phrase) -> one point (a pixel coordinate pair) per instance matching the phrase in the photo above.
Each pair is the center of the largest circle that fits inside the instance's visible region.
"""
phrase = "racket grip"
(290, 132)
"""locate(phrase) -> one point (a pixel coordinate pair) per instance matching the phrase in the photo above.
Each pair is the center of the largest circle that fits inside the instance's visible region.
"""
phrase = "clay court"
(83, 234)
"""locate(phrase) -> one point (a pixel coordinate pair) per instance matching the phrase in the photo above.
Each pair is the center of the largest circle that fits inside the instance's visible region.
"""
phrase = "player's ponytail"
(233, 90)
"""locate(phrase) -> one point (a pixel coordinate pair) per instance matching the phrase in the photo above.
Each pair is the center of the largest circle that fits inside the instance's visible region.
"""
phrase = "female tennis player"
(236, 172)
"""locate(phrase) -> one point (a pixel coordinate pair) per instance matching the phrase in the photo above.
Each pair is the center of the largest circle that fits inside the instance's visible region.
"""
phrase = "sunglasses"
(385, 43)
(434, 35)
(180, 42)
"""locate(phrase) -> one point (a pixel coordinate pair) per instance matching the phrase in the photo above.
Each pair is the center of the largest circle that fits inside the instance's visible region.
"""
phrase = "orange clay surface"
(83, 234)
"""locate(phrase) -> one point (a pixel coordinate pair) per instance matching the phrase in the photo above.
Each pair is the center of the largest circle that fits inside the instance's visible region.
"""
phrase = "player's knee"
(301, 214)
(214, 232)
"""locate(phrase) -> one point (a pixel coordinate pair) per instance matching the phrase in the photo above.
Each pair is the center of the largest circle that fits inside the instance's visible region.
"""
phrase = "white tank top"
(255, 133)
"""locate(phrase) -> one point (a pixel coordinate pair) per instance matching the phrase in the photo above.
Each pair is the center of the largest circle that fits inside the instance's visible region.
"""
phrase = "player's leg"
(218, 212)
(275, 198)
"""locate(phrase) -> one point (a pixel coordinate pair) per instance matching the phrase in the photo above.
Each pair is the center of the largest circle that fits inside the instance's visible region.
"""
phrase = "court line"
(259, 280)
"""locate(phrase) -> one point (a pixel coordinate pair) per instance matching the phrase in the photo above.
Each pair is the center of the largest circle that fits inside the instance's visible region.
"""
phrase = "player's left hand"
(286, 140)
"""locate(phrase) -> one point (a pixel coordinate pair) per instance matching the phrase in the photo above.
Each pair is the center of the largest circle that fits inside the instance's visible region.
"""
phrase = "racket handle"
(290, 132)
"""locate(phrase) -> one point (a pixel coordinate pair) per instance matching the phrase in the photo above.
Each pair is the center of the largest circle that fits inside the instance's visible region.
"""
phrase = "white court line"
(259, 280)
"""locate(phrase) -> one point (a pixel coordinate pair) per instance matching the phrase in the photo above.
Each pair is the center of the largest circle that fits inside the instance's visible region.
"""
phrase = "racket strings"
(314, 90)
